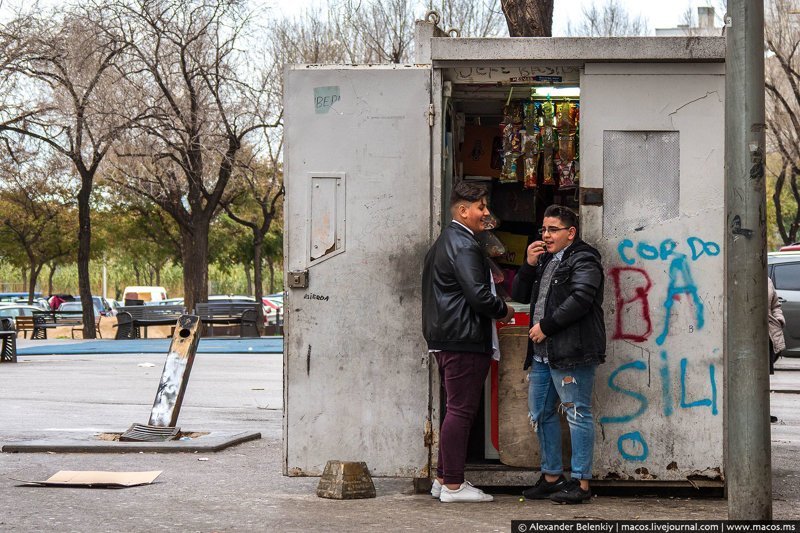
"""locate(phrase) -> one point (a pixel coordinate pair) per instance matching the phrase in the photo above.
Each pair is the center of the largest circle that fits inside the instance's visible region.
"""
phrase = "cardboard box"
(516, 246)
(480, 151)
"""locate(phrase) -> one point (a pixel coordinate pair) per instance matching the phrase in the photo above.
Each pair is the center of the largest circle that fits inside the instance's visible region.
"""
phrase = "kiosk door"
(358, 224)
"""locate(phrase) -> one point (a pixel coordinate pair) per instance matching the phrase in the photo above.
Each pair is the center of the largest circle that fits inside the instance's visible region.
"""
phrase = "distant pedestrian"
(55, 301)
(459, 305)
(562, 279)
(776, 323)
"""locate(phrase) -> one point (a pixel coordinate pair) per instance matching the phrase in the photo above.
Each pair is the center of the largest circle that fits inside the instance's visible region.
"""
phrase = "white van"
(138, 295)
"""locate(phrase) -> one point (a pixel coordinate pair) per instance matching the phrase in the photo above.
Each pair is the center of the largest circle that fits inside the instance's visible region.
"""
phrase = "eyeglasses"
(550, 230)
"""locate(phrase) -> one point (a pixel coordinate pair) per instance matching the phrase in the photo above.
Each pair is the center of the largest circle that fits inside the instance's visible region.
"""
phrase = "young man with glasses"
(459, 306)
(562, 278)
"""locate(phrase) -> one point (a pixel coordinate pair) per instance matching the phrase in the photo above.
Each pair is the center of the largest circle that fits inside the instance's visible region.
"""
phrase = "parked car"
(114, 305)
(168, 301)
(13, 297)
(273, 309)
(140, 294)
(15, 310)
(41, 303)
(230, 298)
(101, 306)
(784, 270)
(794, 247)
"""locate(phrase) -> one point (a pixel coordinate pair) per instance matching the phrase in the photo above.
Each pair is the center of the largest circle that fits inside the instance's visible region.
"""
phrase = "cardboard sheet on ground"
(97, 479)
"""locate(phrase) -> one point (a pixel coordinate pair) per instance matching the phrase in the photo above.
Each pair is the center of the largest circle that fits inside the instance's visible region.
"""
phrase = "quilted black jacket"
(573, 315)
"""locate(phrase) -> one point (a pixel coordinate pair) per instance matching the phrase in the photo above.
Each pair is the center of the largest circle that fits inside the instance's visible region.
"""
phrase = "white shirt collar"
(463, 226)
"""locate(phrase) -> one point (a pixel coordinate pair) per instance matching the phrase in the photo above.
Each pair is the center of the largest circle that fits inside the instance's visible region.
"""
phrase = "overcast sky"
(659, 13)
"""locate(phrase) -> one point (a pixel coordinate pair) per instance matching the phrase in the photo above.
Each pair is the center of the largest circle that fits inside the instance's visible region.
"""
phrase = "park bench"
(8, 350)
(226, 314)
(132, 319)
(78, 327)
(45, 320)
(24, 325)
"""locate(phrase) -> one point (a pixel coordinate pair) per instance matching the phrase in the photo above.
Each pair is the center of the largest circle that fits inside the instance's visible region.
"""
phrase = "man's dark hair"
(465, 191)
(566, 215)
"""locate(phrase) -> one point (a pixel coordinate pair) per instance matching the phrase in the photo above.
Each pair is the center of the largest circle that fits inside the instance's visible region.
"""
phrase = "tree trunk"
(528, 18)
(136, 273)
(271, 265)
(258, 244)
(158, 276)
(50, 279)
(195, 264)
(35, 270)
(84, 253)
(248, 279)
(24, 277)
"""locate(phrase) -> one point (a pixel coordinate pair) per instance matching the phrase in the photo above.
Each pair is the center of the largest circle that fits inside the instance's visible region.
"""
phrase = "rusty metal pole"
(747, 439)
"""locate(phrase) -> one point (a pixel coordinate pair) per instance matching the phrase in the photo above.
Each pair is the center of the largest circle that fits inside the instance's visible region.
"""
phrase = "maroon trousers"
(462, 374)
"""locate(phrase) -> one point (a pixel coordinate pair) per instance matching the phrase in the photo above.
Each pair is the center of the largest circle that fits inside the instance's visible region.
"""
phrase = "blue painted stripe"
(207, 345)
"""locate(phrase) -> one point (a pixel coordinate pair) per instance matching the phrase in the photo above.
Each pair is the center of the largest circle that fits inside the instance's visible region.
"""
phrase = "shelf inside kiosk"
(523, 143)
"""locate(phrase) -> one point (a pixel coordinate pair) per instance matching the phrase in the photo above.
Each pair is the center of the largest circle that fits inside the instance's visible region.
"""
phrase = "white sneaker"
(436, 489)
(465, 493)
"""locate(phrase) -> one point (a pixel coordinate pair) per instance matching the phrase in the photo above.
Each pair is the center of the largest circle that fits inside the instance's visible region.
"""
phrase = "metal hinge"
(431, 115)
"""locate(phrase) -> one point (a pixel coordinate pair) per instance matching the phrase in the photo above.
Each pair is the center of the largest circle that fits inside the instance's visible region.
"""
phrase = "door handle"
(781, 300)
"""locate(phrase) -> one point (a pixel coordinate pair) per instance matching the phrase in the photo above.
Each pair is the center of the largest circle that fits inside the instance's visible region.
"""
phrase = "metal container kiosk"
(368, 170)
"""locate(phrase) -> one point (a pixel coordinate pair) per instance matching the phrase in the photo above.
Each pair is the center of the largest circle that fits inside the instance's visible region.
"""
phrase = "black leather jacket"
(573, 314)
(457, 302)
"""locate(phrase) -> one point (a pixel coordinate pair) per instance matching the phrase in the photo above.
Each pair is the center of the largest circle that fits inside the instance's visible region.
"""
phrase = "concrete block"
(343, 480)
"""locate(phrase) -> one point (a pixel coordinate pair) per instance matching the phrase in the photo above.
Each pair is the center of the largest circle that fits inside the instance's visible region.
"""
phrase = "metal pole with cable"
(747, 442)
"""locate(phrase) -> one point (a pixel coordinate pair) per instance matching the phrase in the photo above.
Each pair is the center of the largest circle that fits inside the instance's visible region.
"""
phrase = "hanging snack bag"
(565, 162)
(512, 142)
(530, 149)
(549, 141)
(490, 222)
(491, 244)
(497, 273)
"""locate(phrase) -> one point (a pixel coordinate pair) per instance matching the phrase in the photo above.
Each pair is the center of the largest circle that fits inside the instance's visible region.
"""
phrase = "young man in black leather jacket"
(562, 279)
(459, 306)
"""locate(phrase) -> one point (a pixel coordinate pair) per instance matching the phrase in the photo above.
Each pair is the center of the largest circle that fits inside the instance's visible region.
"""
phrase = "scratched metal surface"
(356, 365)
(659, 396)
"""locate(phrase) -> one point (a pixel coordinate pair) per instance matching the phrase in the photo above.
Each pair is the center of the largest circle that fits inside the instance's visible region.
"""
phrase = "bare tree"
(66, 93)
(610, 19)
(381, 31)
(782, 35)
(191, 66)
(529, 18)
(37, 213)
(256, 205)
(472, 19)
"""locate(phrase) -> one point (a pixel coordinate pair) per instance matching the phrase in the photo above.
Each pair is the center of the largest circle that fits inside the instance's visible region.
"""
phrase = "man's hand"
(535, 249)
(509, 314)
(536, 334)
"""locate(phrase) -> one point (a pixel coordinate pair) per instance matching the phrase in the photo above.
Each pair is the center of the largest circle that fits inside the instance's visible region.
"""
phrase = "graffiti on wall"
(636, 321)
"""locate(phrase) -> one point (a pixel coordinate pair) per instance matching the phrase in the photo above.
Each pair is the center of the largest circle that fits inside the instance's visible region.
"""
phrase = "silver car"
(784, 270)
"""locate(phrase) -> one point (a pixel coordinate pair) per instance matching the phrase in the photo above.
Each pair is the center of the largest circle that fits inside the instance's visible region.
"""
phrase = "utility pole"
(748, 462)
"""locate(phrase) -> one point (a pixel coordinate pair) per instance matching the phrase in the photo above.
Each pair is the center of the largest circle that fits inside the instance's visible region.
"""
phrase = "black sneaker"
(571, 493)
(543, 488)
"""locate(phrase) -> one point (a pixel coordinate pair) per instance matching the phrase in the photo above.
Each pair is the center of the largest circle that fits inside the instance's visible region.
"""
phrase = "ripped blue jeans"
(571, 391)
